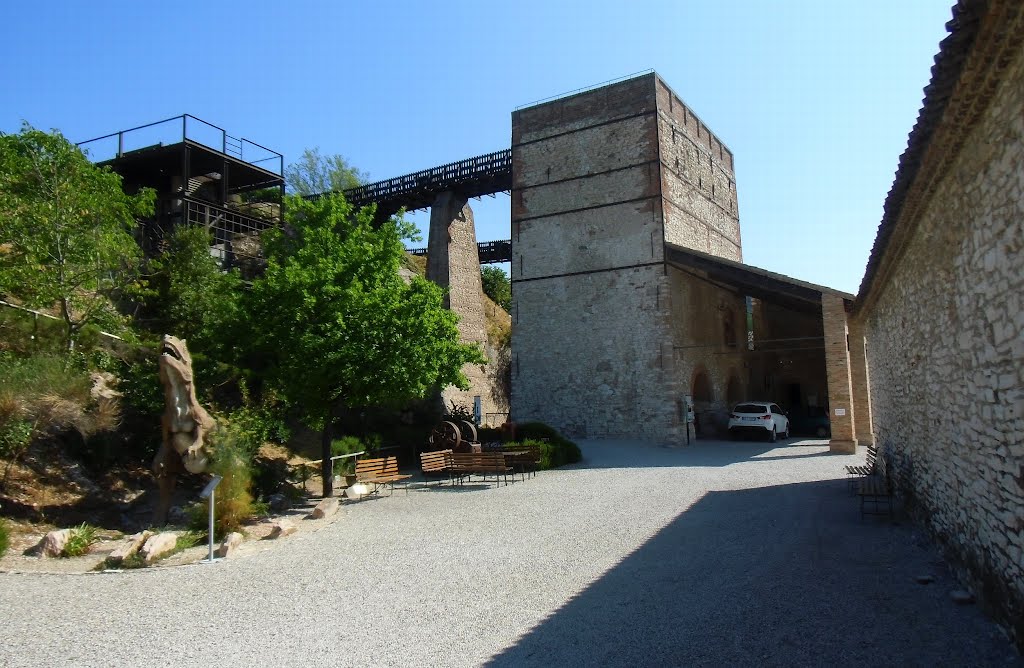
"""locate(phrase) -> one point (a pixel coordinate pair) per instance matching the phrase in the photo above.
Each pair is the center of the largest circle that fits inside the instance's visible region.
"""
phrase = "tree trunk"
(326, 465)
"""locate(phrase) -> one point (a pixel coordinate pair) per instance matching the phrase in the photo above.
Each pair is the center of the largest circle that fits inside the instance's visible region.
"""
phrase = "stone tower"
(602, 181)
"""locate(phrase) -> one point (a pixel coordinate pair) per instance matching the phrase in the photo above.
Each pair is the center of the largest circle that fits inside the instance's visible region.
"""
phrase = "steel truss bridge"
(487, 174)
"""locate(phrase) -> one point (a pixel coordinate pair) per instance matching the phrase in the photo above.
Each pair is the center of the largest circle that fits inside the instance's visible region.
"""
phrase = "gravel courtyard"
(718, 554)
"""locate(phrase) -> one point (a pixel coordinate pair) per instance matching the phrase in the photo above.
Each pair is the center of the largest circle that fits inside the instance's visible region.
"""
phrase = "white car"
(762, 418)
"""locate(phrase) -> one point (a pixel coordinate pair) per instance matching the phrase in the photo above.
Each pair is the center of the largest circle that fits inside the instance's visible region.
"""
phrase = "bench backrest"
(532, 451)
(439, 460)
(486, 459)
(373, 468)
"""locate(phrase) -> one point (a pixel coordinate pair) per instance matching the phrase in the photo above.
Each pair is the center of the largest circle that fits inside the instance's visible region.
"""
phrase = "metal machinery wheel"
(446, 436)
(468, 431)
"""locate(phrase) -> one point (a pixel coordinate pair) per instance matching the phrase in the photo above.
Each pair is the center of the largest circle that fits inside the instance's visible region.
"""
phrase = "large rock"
(280, 528)
(53, 543)
(128, 547)
(158, 546)
(227, 548)
(326, 508)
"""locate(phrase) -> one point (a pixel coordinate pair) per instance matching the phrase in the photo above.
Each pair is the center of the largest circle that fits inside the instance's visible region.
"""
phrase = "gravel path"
(718, 554)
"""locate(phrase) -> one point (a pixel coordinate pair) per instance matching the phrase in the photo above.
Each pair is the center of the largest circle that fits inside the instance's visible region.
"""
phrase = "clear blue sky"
(815, 98)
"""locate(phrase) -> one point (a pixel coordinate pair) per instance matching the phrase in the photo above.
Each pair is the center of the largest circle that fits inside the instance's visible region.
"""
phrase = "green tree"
(338, 327)
(191, 297)
(314, 174)
(497, 286)
(65, 230)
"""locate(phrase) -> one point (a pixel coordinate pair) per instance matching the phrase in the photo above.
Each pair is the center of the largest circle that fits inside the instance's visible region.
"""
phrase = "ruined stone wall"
(698, 181)
(591, 342)
(945, 347)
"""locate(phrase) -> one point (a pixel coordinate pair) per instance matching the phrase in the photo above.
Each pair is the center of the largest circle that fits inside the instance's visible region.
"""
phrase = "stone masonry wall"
(945, 346)
(590, 331)
(700, 346)
(698, 182)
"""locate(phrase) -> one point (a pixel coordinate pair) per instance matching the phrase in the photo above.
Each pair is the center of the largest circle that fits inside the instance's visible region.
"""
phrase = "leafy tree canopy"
(190, 296)
(335, 324)
(65, 229)
(497, 286)
(314, 173)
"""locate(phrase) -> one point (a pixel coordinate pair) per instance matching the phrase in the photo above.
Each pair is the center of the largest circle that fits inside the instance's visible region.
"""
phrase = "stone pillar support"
(453, 262)
(837, 367)
(860, 381)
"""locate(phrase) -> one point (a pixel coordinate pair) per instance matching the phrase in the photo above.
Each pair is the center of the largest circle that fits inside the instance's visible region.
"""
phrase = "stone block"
(279, 528)
(228, 545)
(128, 547)
(52, 543)
(158, 546)
(326, 508)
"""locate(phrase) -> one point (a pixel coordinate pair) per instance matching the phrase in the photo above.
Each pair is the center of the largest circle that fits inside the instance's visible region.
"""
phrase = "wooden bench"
(381, 473)
(483, 464)
(438, 464)
(865, 470)
(874, 491)
(528, 461)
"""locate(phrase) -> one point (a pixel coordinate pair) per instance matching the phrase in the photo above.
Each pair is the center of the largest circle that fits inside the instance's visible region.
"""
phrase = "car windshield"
(750, 408)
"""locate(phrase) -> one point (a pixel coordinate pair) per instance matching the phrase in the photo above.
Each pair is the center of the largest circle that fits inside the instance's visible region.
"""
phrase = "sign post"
(207, 493)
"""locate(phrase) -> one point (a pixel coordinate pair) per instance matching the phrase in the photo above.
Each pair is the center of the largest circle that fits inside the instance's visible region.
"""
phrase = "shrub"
(233, 496)
(81, 540)
(347, 445)
(555, 449)
(5, 540)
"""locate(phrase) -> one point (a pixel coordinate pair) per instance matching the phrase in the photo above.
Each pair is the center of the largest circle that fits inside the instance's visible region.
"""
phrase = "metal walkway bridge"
(474, 177)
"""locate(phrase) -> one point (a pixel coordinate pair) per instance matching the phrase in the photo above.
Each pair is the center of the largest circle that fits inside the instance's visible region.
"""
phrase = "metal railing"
(474, 177)
(175, 130)
(490, 252)
(234, 233)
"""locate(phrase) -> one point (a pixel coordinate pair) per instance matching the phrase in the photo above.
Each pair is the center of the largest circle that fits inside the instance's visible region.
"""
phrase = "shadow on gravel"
(786, 575)
(703, 453)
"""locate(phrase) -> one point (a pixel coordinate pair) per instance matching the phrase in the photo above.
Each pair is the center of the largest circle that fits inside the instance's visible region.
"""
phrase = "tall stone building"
(629, 294)
(940, 308)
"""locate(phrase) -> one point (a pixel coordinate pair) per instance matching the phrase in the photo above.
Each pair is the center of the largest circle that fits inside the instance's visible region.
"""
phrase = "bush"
(555, 449)
(5, 540)
(81, 540)
(347, 445)
(234, 503)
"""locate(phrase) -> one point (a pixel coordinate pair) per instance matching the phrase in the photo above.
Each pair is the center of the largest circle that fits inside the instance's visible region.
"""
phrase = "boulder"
(278, 502)
(128, 547)
(52, 543)
(227, 548)
(158, 546)
(280, 528)
(326, 508)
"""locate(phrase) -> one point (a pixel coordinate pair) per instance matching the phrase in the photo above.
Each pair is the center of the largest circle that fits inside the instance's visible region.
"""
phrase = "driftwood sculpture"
(185, 424)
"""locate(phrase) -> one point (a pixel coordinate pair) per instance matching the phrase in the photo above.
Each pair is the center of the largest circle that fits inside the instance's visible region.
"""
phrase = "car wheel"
(784, 435)
(773, 436)
(820, 432)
